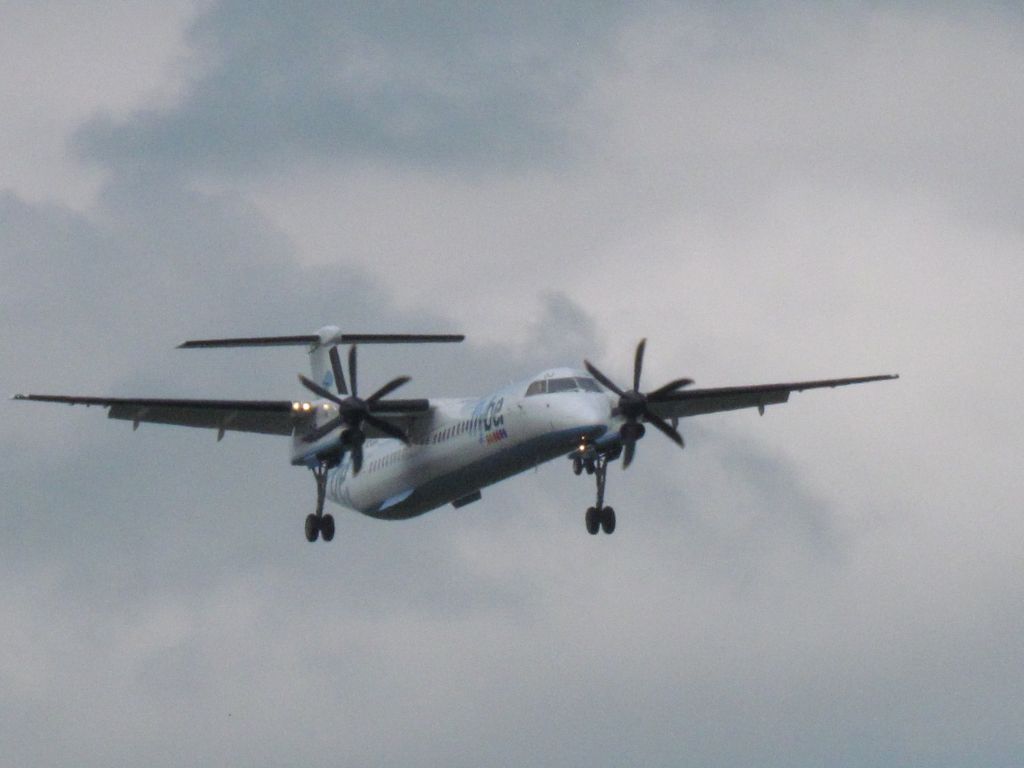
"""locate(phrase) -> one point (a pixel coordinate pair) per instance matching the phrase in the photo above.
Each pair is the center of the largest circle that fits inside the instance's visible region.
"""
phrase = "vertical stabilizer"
(320, 358)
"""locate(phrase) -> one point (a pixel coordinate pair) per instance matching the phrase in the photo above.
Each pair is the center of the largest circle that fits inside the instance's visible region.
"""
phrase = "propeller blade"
(352, 370)
(357, 458)
(387, 389)
(339, 374)
(672, 386)
(627, 454)
(664, 427)
(386, 427)
(638, 364)
(323, 429)
(602, 378)
(312, 386)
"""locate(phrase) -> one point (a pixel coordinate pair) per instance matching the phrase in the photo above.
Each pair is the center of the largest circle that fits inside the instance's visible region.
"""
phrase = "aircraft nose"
(587, 415)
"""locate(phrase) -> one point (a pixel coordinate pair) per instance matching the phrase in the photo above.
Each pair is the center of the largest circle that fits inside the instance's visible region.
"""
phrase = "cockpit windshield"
(564, 384)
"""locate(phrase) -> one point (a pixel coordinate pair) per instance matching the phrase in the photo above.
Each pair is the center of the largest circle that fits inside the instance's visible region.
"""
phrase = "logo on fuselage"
(492, 415)
(489, 415)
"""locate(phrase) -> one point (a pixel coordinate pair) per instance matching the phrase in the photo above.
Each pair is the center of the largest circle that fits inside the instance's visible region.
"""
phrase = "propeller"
(353, 411)
(633, 405)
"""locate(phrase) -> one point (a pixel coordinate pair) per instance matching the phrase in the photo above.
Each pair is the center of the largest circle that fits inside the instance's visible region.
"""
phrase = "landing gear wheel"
(318, 524)
(599, 516)
(312, 528)
(577, 466)
(608, 520)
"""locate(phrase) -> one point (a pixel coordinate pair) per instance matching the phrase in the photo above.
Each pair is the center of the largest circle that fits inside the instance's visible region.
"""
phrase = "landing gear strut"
(318, 524)
(599, 517)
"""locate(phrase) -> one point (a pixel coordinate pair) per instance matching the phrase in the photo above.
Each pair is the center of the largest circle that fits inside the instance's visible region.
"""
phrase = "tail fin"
(320, 352)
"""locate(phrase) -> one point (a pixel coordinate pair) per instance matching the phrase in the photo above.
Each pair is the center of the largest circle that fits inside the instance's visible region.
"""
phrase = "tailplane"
(322, 346)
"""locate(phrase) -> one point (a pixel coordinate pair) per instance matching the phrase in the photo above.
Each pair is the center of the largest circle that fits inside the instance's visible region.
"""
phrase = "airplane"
(394, 459)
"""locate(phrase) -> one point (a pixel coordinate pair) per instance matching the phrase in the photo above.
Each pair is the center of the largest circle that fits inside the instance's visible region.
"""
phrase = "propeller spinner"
(633, 405)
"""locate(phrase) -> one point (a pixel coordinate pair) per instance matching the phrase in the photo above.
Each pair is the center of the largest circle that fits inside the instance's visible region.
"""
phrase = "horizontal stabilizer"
(397, 338)
(255, 341)
(314, 339)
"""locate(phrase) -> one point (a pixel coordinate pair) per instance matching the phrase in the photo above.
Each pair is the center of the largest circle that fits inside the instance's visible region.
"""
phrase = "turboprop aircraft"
(394, 459)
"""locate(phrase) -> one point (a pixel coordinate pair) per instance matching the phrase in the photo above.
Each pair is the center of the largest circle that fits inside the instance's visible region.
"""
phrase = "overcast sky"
(767, 192)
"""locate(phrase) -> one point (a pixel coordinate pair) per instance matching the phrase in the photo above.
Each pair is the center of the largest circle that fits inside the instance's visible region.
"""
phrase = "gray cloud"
(429, 85)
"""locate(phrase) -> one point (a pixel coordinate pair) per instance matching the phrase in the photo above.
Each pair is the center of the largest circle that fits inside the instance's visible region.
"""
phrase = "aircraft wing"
(269, 417)
(694, 402)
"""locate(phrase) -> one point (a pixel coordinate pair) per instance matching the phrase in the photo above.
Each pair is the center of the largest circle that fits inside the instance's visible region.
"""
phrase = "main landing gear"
(318, 524)
(598, 517)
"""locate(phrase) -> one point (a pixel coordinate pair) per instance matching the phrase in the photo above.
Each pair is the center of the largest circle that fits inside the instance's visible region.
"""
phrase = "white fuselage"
(466, 444)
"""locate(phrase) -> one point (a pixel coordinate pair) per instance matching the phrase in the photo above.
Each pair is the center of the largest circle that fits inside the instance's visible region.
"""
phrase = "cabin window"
(536, 388)
(561, 385)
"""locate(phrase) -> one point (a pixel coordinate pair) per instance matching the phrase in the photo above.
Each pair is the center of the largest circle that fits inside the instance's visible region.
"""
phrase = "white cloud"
(66, 61)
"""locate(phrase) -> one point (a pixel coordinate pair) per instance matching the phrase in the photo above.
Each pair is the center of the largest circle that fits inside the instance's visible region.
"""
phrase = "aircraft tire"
(577, 466)
(593, 521)
(312, 528)
(608, 520)
(327, 527)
